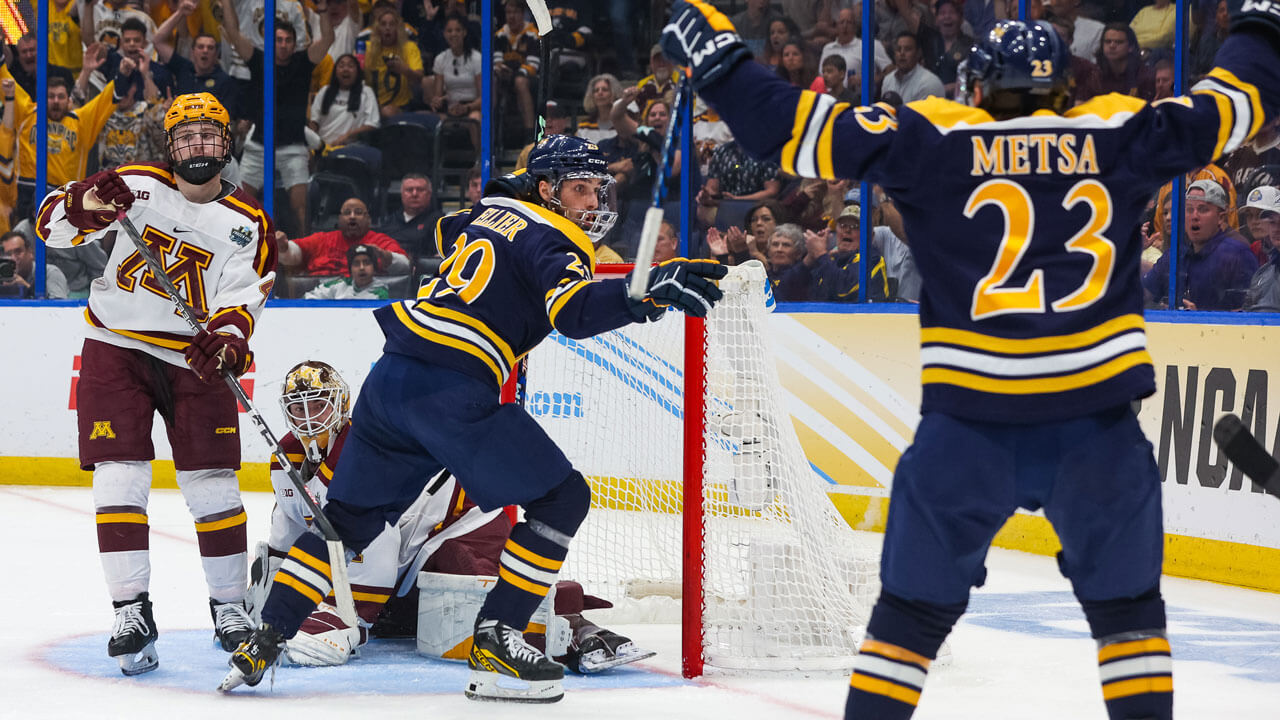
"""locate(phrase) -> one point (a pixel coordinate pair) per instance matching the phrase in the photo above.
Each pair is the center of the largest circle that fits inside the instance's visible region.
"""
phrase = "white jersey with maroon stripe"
(221, 256)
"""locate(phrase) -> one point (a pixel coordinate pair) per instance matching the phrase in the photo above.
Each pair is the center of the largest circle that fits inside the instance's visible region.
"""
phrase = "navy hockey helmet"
(1025, 58)
(557, 158)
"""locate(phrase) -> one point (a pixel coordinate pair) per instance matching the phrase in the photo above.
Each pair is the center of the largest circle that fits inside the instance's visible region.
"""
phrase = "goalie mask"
(316, 404)
(197, 132)
(582, 189)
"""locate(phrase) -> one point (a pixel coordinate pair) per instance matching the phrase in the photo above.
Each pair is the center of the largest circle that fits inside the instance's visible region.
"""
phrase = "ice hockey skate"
(505, 668)
(253, 658)
(133, 636)
(595, 649)
(231, 623)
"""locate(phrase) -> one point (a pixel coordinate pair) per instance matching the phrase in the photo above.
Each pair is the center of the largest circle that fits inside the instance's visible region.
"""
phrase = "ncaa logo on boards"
(102, 429)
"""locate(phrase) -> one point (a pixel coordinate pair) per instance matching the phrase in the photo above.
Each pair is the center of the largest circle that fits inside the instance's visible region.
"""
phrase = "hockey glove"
(209, 354)
(1261, 16)
(96, 202)
(702, 38)
(682, 284)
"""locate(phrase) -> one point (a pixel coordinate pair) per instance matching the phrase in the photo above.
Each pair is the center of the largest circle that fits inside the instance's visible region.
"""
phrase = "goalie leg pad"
(324, 639)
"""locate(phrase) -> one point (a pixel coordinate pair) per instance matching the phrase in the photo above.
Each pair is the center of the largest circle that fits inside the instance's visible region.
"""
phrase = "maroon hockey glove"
(211, 353)
(111, 196)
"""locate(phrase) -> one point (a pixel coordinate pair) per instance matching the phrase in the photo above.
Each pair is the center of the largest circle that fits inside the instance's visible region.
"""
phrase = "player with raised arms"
(1023, 223)
(442, 531)
(140, 357)
(518, 264)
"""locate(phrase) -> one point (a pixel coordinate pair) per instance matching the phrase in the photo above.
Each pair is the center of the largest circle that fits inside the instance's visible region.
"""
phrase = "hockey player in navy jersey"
(1024, 226)
(517, 265)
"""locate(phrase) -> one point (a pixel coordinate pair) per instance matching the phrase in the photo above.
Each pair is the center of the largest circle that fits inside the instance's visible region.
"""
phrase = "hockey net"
(770, 577)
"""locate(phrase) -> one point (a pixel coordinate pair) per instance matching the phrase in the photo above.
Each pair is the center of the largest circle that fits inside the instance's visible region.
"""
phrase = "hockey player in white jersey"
(442, 532)
(140, 358)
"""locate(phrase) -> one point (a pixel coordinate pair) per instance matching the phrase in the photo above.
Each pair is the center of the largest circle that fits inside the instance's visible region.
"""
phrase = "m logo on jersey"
(186, 272)
(242, 235)
(102, 429)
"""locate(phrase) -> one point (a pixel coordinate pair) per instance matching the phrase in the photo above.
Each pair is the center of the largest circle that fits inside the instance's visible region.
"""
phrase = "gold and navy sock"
(1136, 669)
(302, 582)
(527, 568)
(886, 683)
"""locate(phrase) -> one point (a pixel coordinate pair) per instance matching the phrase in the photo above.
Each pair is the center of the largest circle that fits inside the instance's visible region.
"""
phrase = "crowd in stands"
(377, 129)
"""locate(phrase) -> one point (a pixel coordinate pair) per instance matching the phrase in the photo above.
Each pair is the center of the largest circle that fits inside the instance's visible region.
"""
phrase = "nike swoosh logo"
(178, 230)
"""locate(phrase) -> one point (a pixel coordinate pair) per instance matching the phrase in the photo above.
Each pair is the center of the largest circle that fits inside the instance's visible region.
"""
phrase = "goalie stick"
(653, 216)
(337, 553)
(1243, 449)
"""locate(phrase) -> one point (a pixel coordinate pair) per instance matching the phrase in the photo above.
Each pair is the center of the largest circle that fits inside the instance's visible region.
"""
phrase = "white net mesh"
(787, 584)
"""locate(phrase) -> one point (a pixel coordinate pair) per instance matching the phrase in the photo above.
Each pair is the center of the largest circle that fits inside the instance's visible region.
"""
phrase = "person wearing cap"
(660, 82)
(1263, 294)
(361, 266)
(825, 274)
(1214, 266)
(1261, 198)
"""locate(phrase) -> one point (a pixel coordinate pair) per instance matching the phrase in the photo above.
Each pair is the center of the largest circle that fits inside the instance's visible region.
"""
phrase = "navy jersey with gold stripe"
(512, 272)
(1025, 231)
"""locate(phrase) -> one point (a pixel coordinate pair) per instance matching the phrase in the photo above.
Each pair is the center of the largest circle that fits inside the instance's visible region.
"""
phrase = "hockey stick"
(337, 553)
(653, 216)
(542, 18)
(1243, 449)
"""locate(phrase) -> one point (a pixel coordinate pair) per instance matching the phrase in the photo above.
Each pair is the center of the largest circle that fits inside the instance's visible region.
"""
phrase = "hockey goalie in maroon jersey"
(442, 533)
(140, 357)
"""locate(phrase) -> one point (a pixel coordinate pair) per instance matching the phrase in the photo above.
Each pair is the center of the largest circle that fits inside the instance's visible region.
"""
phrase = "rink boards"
(850, 382)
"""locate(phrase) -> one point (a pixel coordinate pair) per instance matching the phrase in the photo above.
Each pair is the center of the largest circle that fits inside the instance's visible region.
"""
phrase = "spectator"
(8, 152)
(1155, 239)
(734, 175)
(1215, 266)
(804, 18)
(1209, 38)
(832, 80)
(1120, 65)
(199, 20)
(1262, 199)
(392, 64)
(344, 18)
(200, 73)
(24, 69)
(413, 227)
(732, 247)
(71, 135)
(709, 133)
(101, 22)
(1084, 74)
(135, 131)
(797, 65)
(248, 21)
(602, 92)
(134, 46)
(659, 83)
(475, 188)
(1264, 288)
(911, 80)
(947, 46)
(761, 220)
(1163, 81)
(815, 204)
(516, 61)
(848, 44)
(17, 270)
(1153, 25)
(889, 239)
(781, 29)
(753, 25)
(668, 243)
(1086, 32)
(786, 248)
(834, 275)
(643, 143)
(894, 17)
(347, 107)
(325, 253)
(292, 81)
(65, 48)
(456, 80)
(558, 121)
(983, 14)
(359, 283)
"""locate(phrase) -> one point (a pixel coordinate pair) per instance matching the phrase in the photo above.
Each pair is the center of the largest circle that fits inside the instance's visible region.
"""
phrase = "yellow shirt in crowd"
(71, 139)
(64, 36)
(390, 87)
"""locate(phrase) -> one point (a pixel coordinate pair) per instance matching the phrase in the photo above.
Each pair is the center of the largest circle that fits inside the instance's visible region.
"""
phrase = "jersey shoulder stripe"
(156, 171)
(543, 216)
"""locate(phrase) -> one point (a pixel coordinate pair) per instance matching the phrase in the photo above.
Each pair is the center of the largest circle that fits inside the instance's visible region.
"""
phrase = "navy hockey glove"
(96, 202)
(211, 353)
(702, 38)
(1261, 16)
(683, 284)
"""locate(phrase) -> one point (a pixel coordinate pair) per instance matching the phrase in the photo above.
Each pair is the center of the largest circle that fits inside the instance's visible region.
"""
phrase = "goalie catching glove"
(97, 201)
(701, 37)
(683, 284)
(211, 353)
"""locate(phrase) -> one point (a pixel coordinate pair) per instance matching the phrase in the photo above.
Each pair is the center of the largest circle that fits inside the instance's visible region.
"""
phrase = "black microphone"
(1244, 450)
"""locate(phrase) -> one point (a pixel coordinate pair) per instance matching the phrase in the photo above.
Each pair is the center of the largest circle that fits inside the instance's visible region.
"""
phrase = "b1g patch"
(242, 235)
